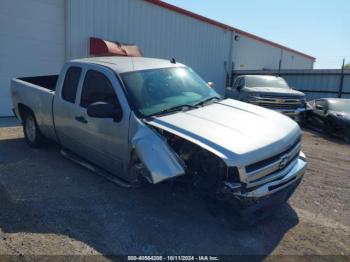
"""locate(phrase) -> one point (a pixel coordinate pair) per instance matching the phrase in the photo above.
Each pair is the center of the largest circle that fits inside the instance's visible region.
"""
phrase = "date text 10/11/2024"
(173, 258)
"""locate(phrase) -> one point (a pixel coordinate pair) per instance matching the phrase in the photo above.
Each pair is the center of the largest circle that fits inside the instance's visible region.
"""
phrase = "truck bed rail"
(48, 82)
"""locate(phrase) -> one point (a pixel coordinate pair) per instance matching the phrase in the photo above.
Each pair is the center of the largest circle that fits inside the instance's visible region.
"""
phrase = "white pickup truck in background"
(142, 120)
(271, 92)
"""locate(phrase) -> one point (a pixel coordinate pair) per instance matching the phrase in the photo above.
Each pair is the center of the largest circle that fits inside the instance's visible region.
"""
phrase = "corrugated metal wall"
(31, 42)
(250, 54)
(314, 83)
(294, 61)
(158, 32)
(163, 33)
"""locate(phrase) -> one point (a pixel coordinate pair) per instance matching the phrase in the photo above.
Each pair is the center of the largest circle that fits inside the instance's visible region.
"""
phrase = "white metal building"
(37, 36)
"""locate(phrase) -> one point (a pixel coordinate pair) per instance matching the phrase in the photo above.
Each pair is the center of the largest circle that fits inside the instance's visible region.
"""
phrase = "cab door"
(65, 105)
(103, 141)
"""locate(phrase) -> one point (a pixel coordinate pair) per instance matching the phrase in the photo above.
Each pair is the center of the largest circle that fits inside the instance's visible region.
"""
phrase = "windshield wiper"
(207, 100)
(175, 109)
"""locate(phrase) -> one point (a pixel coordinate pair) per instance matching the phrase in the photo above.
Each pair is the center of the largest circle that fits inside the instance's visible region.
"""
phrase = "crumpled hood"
(238, 132)
(277, 90)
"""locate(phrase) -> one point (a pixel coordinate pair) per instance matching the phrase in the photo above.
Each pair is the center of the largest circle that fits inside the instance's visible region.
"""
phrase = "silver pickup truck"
(143, 120)
(270, 92)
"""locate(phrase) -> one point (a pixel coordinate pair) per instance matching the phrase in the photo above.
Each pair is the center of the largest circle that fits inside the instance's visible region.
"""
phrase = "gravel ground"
(50, 206)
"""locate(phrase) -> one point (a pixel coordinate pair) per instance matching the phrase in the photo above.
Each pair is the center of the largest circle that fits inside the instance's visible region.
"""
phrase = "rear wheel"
(31, 131)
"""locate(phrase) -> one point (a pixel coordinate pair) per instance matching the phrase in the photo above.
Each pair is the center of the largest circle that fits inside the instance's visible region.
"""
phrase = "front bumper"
(262, 200)
(294, 175)
(298, 114)
(292, 108)
(291, 113)
(275, 191)
(252, 210)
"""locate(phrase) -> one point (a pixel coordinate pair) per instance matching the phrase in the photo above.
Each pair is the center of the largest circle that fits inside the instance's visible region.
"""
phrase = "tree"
(347, 66)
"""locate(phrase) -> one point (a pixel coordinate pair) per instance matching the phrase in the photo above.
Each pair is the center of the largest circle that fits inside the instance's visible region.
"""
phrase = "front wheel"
(31, 131)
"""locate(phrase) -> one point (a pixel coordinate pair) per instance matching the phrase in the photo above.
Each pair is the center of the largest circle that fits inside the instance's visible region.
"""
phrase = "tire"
(31, 131)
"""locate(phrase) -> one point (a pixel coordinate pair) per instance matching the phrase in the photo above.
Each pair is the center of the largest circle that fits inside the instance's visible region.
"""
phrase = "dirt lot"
(49, 206)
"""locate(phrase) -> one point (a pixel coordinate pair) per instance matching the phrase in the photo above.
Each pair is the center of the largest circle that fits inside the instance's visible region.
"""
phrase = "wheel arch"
(23, 110)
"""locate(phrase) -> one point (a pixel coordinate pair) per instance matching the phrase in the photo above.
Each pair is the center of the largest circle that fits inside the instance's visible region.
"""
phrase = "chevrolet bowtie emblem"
(283, 162)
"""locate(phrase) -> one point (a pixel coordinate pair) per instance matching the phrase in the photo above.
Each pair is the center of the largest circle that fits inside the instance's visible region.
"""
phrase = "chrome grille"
(279, 106)
(278, 102)
(272, 168)
(280, 96)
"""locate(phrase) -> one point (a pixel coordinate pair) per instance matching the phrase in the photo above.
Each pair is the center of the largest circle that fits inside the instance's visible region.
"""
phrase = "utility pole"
(343, 64)
(280, 63)
(279, 67)
(341, 80)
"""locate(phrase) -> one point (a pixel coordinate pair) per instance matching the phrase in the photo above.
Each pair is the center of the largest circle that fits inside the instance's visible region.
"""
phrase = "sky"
(320, 28)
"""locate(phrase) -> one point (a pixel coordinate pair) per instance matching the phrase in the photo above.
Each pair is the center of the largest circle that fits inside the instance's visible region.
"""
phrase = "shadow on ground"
(41, 192)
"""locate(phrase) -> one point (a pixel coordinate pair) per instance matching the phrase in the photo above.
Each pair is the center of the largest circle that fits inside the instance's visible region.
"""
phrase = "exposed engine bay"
(205, 172)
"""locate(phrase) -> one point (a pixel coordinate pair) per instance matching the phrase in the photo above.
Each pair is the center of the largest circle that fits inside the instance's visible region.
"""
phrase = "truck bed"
(48, 82)
(36, 93)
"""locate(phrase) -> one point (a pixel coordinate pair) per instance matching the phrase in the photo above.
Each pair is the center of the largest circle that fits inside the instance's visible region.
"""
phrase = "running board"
(98, 171)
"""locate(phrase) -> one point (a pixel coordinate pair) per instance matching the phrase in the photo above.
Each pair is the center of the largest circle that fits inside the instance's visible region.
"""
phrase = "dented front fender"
(160, 160)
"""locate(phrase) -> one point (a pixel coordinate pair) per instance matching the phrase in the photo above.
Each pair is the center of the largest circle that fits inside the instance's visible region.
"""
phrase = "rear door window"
(70, 84)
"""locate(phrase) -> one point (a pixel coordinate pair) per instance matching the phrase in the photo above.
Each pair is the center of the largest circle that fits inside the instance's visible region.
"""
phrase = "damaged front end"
(248, 189)
(163, 155)
(158, 156)
(205, 172)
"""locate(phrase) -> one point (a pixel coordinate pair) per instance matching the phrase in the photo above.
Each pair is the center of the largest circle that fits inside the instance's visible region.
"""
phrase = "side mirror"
(104, 110)
(239, 88)
(211, 84)
(319, 107)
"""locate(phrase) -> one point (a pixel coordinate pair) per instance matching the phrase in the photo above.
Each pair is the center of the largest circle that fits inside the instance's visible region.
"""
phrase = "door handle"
(81, 119)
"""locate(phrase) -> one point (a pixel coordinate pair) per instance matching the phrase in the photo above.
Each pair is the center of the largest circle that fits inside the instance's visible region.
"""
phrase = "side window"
(322, 103)
(70, 84)
(97, 88)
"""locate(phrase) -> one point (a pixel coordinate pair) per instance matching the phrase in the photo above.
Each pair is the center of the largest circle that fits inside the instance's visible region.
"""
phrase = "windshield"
(266, 81)
(153, 91)
(340, 106)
